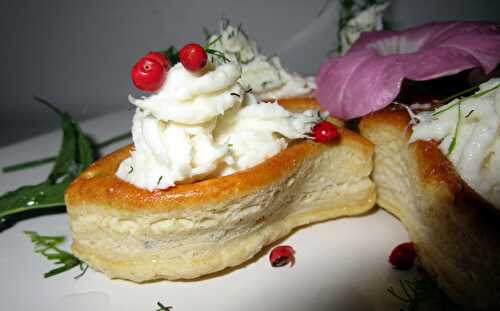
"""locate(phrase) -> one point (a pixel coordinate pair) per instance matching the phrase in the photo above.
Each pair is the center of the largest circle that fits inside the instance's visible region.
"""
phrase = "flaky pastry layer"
(457, 233)
(195, 229)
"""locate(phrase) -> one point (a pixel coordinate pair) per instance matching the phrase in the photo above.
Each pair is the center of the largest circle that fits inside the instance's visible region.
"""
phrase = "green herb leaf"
(113, 140)
(74, 156)
(48, 247)
(38, 162)
(28, 164)
(172, 54)
(162, 307)
(475, 95)
(453, 143)
(349, 10)
(207, 33)
(85, 151)
(422, 293)
(75, 153)
(209, 44)
(43, 195)
(218, 54)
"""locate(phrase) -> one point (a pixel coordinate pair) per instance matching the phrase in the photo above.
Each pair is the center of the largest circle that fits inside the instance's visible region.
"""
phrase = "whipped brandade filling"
(258, 131)
(370, 19)
(264, 75)
(174, 143)
(469, 133)
(191, 98)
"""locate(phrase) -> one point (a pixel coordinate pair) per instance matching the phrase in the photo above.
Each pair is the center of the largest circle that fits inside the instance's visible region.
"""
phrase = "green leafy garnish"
(38, 162)
(214, 52)
(423, 293)
(172, 54)
(458, 103)
(162, 307)
(214, 41)
(218, 54)
(349, 10)
(27, 164)
(207, 33)
(475, 95)
(113, 140)
(453, 143)
(48, 247)
(74, 156)
(457, 95)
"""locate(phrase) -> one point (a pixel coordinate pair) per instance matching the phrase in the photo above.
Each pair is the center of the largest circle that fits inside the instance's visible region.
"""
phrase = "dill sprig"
(214, 52)
(48, 246)
(453, 143)
(217, 54)
(214, 41)
(422, 293)
(207, 33)
(349, 10)
(458, 104)
(162, 307)
(455, 96)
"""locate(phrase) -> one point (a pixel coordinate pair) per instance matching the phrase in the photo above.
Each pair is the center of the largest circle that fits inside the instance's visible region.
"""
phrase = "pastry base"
(456, 232)
(195, 229)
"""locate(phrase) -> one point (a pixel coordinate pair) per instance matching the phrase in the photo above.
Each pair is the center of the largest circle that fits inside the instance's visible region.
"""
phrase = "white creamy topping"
(260, 130)
(191, 98)
(369, 19)
(264, 75)
(205, 126)
(166, 152)
(476, 151)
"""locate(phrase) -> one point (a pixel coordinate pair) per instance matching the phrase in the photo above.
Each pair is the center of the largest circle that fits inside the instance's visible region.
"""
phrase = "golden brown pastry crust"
(194, 229)
(456, 231)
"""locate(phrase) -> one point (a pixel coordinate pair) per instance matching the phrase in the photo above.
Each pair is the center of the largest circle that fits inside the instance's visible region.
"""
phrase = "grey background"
(78, 54)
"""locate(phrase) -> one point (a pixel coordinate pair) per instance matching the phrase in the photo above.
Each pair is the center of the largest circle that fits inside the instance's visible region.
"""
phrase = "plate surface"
(340, 264)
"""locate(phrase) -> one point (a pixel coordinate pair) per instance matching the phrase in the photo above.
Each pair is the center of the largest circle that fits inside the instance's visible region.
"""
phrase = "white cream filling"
(260, 130)
(205, 130)
(476, 154)
(369, 19)
(264, 75)
(190, 98)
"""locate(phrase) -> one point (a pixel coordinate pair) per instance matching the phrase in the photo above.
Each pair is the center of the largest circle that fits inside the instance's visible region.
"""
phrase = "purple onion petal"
(369, 76)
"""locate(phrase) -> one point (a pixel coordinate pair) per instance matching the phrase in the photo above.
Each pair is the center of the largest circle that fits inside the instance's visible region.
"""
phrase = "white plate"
(340, 264)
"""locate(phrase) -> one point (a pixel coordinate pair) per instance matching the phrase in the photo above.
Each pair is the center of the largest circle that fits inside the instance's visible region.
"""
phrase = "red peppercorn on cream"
(204, 124)
(469, 132)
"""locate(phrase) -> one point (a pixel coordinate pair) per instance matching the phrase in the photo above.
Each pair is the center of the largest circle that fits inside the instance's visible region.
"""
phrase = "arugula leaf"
(85, 151)
(74, 156)
(38, 162)
(75, 153)
(43, 195)
(47, 246)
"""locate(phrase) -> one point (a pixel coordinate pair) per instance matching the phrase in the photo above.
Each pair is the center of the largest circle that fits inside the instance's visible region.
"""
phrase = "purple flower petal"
(369, 76)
